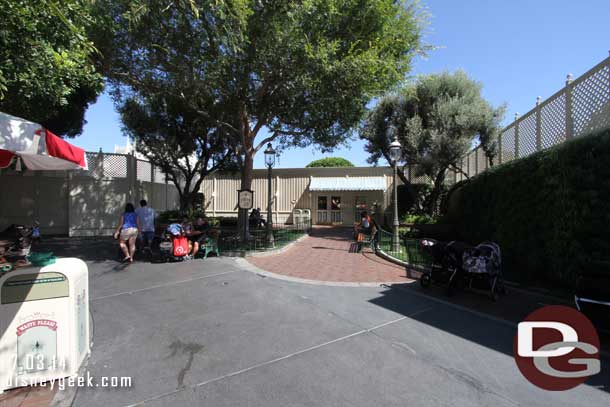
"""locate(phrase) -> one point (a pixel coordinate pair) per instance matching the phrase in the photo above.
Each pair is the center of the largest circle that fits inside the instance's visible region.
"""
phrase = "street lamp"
(270, 154)
(395, 152)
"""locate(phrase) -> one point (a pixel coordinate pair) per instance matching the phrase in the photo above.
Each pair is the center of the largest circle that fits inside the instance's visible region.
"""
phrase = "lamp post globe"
(270, 154)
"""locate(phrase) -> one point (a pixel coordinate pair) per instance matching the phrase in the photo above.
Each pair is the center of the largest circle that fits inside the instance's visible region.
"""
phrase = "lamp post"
(270, 154)
(394, 151)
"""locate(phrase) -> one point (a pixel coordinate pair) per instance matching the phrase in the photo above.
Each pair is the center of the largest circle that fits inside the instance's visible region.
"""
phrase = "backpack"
(181, 246)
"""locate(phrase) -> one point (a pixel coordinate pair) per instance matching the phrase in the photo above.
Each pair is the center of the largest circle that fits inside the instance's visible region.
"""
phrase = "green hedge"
(550, 212)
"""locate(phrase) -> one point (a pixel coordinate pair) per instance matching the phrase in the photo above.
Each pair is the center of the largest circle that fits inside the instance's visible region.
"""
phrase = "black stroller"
(173, 245)
(459, 264)
(19, 242)
(446, 267)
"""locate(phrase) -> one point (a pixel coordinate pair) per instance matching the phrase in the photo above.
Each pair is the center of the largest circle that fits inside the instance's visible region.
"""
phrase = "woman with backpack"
(127, 232)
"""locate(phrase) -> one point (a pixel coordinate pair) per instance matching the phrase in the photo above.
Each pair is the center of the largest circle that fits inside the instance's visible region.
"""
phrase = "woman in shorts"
(127, 232)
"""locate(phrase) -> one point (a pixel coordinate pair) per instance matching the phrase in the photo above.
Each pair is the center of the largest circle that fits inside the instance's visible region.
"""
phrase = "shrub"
(411, 218)
(330, 162)
(550, 212)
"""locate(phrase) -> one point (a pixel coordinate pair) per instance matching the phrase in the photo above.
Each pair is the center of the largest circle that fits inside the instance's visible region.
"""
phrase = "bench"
(210, 246)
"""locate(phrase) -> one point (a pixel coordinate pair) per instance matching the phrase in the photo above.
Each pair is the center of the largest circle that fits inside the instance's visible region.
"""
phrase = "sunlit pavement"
(214, 332)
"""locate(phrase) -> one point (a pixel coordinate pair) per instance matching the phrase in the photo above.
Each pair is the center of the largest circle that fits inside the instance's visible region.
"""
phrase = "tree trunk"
(436, 192)
(187, 201)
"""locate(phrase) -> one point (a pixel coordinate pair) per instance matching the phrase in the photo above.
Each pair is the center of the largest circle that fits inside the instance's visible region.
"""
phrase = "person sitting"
(256, 219)
(364, 226)
(199, 234)
(127, 232)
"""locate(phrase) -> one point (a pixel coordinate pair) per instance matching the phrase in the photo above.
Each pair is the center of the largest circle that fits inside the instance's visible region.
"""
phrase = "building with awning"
(334, 196)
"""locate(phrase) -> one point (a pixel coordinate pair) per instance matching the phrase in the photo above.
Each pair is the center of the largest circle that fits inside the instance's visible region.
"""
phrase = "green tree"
(174, 139)
(330, 162)
(293, 72)
(437, 118)
(47, 73)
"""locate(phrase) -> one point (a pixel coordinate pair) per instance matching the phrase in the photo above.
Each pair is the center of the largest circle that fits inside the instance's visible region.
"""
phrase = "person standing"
(146, 215)
(127, 232)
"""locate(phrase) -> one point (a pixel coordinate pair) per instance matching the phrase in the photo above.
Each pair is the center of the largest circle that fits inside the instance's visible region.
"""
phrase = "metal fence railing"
(581, 107)
(410, 249)
(258, 241)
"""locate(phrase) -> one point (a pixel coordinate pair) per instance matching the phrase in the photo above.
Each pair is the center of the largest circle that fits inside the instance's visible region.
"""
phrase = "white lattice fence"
(507, 150)
(580, 108)
(527, 135)
(553, 121)
(590, 108)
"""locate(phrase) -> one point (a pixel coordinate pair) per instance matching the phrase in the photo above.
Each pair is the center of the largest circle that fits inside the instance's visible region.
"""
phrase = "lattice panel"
(92, 163)
(481, 161)
(420, 179)
(553, 121)
(115, 165)
(527, 135)
(591, 102)
(508, 144)
(144, 171)
(469, 161)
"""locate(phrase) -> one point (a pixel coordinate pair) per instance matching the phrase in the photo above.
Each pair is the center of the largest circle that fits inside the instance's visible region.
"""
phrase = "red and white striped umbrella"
(36, 147)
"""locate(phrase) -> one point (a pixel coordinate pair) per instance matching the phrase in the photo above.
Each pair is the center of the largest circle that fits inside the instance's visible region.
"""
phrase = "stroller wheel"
(495, 296)
(425, 280)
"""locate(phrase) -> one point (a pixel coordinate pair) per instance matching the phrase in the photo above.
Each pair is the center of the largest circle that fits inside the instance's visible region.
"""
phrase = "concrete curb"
(242, 262)
(245, 253)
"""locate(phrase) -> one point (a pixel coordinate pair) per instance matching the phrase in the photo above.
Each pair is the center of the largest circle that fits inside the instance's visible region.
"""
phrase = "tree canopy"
(47, 73)
(437, 119)
(169, 133)
(293, 72)
(330, 162)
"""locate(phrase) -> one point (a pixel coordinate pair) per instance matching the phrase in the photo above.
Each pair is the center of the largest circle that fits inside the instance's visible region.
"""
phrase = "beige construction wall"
(82, 203)
(290, 187)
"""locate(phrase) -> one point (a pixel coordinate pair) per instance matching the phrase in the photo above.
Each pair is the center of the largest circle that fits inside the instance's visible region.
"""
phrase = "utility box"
(44, 323)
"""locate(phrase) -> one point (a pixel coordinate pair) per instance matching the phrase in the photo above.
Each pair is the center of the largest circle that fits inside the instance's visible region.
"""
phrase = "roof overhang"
(347, 184)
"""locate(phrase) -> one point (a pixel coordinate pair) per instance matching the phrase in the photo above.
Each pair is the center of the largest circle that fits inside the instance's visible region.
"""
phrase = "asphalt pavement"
(216, 333)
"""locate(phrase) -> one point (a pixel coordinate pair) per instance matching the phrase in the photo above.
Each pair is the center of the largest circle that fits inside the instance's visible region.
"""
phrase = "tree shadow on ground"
(511, 309)
(96, 249)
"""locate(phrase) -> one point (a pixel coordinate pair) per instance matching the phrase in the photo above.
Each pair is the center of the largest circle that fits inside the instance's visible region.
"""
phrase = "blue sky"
(518, 49)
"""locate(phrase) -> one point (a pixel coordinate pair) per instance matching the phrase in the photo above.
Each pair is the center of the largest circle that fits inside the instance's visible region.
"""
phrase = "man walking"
(147, 221)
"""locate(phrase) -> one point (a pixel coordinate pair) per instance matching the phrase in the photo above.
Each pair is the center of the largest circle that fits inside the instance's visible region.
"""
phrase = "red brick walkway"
(28, 397)
(328, 255)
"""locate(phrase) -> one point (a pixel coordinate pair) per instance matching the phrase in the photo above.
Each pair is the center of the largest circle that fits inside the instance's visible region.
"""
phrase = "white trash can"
(44, 323)
(306, 218)
(297, 217)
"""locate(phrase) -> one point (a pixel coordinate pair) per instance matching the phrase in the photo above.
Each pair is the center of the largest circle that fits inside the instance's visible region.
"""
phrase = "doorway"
(329, 210)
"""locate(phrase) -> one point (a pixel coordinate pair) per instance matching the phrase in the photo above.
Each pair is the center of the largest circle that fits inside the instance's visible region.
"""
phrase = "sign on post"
(245, 198)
